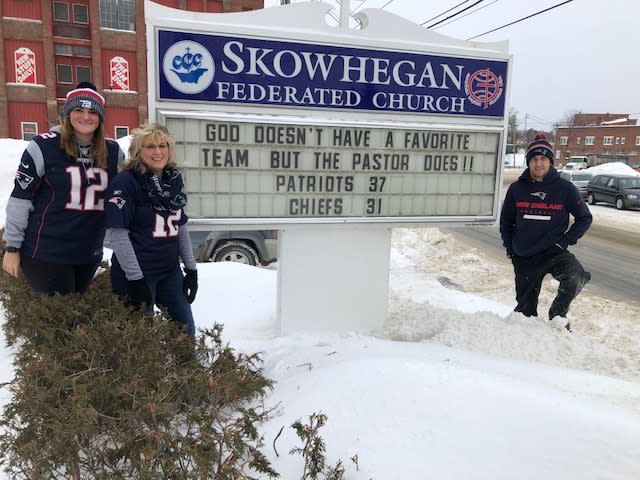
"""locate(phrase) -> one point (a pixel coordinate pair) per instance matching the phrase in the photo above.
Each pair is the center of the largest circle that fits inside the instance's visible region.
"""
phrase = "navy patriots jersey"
(153, 233)
(68, 221)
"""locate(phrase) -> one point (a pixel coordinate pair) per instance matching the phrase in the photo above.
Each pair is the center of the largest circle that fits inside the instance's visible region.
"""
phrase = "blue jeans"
(166, 291)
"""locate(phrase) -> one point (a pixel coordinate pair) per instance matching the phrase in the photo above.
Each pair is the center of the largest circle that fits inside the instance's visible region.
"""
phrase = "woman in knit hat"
(56, 219)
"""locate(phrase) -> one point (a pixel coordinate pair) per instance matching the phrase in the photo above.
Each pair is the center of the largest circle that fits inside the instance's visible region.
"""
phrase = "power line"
(466, 14)
(455, 14)
(359, 6)
(538, 120)
(446, 11)
(522, 19)
(383, 7)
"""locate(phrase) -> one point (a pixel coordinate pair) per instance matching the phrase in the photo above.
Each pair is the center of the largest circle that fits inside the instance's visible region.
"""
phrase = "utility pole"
(344, 13)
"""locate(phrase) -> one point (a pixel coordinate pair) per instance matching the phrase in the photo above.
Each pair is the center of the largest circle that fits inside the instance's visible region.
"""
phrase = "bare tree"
(568, 121)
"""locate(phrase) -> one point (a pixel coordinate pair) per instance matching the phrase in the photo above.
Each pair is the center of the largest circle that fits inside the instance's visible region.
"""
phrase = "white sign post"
(333, 279)
(332, 136)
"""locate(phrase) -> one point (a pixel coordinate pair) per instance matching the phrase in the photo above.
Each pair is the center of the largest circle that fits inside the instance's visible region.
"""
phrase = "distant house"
(602, 137)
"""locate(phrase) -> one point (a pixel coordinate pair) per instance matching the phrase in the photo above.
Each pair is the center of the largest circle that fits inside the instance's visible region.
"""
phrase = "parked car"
(252, 247)
(579, 178)
(636, 166)
(621, 190)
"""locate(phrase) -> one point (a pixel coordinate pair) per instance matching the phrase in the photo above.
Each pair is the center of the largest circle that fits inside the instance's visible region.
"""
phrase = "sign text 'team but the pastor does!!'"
(263, 170)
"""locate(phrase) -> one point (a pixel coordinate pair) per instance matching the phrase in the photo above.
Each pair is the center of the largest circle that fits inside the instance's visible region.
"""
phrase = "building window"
(71, 20)
(122, 132)
(617, 140)
(589, 140)
(83, 74)
(61, 11)
(564, 140)
(63, 49)
(80, 13)
(608, 140)
(118, 14)
(622, 139)
(29, 130)
(578, 140)
(72, 50)
(64, 74)
(80, 51)
(637, 140)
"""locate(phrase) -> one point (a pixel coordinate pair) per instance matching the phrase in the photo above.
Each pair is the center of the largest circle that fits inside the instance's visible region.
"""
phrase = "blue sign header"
(222, 69)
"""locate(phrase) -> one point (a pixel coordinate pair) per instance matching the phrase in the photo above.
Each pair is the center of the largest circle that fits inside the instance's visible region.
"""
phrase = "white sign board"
(284, 172)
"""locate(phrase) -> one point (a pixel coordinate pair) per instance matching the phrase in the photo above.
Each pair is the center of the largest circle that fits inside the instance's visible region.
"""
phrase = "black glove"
(139, 293)
(190, 284)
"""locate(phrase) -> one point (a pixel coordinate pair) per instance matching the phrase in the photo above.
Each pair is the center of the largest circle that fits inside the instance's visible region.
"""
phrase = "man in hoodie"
(534, 226)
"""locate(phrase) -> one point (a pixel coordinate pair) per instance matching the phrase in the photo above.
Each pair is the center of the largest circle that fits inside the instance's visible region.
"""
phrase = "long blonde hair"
(69, 142)
(158, 133)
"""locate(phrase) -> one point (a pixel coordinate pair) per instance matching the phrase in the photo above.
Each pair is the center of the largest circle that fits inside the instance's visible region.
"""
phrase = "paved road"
(611, 255)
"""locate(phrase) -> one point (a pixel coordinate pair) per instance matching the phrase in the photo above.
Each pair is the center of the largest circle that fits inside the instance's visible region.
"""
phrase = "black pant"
(530, 271)
(50, 278)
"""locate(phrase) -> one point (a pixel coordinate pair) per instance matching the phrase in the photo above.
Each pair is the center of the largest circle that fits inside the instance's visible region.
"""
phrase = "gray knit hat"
(85, 95)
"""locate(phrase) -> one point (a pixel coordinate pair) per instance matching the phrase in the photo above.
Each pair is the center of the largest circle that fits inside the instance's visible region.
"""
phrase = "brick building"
(49, 46)
(609, 137)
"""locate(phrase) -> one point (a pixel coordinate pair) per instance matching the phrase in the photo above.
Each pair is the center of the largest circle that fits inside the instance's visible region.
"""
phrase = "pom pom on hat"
(540, 146)
(85, 95)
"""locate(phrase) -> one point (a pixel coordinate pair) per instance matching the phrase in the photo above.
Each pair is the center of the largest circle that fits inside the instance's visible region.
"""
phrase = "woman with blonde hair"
(147, 228)
(56, 218)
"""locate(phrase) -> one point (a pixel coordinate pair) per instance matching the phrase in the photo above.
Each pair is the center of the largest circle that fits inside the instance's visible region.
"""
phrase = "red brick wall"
(17, 29)
(27, 112)
(576, 141)
(21, 9)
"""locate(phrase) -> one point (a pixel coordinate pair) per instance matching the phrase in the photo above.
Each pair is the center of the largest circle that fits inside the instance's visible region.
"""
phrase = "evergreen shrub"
(101, 391)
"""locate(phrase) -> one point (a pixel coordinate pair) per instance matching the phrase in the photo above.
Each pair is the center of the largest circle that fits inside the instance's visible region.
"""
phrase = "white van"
(576, 163)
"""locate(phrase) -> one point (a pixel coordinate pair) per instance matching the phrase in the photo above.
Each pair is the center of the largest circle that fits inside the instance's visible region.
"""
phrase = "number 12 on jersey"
(165, 227)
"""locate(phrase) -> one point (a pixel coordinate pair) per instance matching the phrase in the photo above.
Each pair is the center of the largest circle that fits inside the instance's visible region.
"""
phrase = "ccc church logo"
(188, 67)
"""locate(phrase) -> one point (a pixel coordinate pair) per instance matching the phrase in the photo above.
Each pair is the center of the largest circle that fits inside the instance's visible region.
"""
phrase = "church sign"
(231, 69)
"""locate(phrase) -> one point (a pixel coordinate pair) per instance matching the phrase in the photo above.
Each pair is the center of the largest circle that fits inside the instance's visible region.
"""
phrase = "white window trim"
(23, 124)
(115, 130)
(73, 13)
(89, 69)
(58, 77)
(53, 6)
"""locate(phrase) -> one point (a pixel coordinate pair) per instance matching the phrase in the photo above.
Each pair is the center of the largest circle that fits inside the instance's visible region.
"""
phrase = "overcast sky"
(581, 56)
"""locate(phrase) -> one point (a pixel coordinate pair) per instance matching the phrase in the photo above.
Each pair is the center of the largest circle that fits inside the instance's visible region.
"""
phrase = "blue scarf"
(166, 194)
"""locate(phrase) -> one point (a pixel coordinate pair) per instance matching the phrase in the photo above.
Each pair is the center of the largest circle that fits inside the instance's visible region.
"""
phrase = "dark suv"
(252, 247)
(621, 190)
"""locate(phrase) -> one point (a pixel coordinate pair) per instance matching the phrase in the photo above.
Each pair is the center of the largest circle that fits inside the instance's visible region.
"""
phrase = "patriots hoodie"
(535, 214)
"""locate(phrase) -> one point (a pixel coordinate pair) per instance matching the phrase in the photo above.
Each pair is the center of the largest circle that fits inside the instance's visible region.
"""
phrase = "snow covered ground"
(456, 386)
